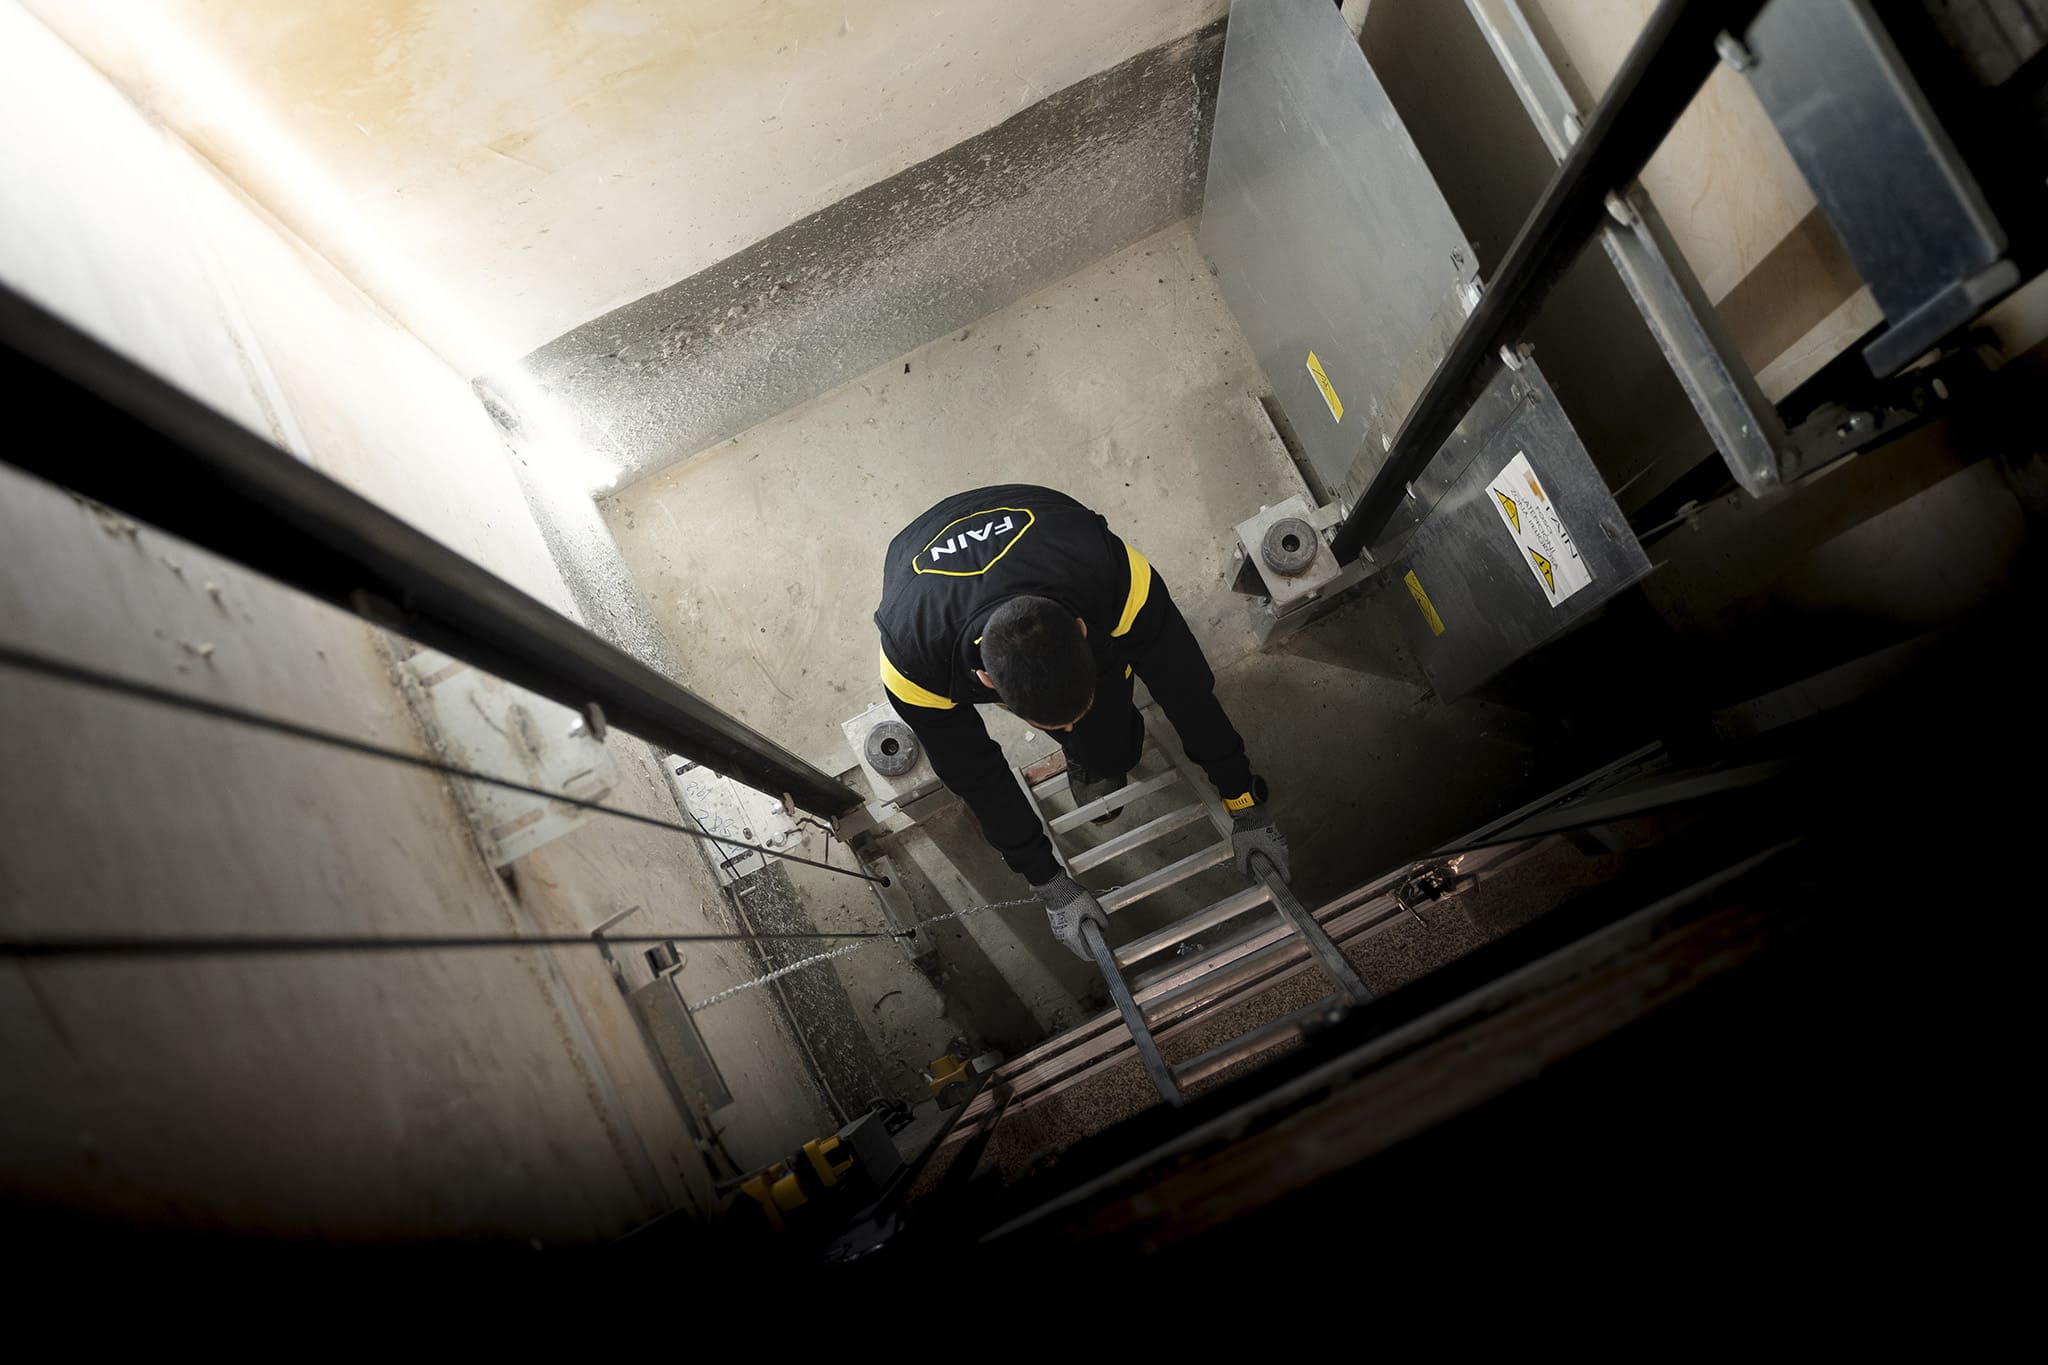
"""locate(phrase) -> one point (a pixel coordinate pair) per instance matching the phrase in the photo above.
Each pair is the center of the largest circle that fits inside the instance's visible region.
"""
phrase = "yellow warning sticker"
(1436, 623)
(1536, 525)
(1315, 369)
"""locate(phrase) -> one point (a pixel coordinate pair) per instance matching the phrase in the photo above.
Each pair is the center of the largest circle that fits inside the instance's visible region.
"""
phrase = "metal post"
(1134, 1018)
(1326, 950)
(115, 432)
(1664, 70)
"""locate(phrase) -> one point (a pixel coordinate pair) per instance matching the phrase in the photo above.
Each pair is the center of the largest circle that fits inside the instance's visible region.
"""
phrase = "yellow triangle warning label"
(1536, 528)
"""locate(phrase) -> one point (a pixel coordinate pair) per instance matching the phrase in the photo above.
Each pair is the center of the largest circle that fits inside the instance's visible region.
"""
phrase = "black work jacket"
(945, 574)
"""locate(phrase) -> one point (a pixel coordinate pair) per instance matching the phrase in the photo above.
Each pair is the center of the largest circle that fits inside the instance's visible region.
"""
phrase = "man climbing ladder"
(1022, 596)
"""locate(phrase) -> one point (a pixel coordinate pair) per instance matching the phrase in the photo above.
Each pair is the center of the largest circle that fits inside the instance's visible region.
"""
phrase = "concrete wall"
(1079, 175)
(1127, 385)
(487, 1094)
(565, 157)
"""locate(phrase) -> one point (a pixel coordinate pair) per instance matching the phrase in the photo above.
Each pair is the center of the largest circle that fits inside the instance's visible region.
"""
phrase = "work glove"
(1068, 904)
(1252, 831)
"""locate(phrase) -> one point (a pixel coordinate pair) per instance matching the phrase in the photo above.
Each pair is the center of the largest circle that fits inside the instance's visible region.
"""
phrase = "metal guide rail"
(1269, 892)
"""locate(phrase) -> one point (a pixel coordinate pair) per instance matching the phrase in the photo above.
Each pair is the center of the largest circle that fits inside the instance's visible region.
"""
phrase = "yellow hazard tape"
(1436, 623)
(1315, 369)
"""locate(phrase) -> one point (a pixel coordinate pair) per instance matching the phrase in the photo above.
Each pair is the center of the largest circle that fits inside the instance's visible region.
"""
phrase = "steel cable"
(27, 662)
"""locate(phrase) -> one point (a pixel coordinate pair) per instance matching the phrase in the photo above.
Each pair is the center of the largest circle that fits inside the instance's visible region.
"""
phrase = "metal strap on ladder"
(1269, 890)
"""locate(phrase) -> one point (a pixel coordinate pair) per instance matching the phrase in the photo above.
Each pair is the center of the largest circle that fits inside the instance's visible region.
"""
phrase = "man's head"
(1034, 653)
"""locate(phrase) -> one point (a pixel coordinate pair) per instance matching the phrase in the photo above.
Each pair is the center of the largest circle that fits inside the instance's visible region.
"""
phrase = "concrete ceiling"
(497, 174)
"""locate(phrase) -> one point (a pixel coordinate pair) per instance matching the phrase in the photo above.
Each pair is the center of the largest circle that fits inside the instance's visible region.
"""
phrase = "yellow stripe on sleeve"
(1141, 588)
(904, 690)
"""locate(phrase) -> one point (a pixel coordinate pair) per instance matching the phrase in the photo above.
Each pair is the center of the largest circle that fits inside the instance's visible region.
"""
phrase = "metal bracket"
(1288, 590)
(1734, 52)
(1879, 410)
(731, 810)
(896, 784)
(1281, 603)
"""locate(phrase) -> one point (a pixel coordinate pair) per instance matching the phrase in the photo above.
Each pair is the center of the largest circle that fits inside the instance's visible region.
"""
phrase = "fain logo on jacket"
(972, 544)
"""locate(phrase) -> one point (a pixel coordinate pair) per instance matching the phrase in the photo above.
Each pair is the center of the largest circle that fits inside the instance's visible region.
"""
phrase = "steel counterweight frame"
(1665, 68)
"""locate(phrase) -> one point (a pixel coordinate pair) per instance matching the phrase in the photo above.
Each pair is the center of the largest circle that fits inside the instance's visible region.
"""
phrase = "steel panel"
(1904, 203)
(666, 1017)
(1471, 569)
(1328, 234)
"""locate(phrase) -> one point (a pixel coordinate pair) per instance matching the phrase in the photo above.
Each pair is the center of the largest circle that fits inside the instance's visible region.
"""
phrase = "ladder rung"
(1121, 797)
(1200, 860)
(1046, 786)
(1286, 1027)
(1144, 834)
(1163, 1008)
(1186, 927)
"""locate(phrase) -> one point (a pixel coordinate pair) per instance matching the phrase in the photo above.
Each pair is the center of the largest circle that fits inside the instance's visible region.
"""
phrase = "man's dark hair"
(1033, 649)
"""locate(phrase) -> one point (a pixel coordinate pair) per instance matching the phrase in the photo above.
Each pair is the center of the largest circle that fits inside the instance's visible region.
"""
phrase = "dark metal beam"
(1664, 70)
(104, 427)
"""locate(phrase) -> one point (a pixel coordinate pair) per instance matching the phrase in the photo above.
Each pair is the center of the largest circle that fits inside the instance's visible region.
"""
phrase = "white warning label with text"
(1537, 528)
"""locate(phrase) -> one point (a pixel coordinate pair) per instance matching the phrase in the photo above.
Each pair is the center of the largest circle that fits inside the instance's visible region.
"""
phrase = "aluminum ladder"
(1269, 890)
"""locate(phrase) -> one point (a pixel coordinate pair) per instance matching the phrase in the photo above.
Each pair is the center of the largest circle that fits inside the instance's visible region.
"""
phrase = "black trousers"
(1106, 742)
